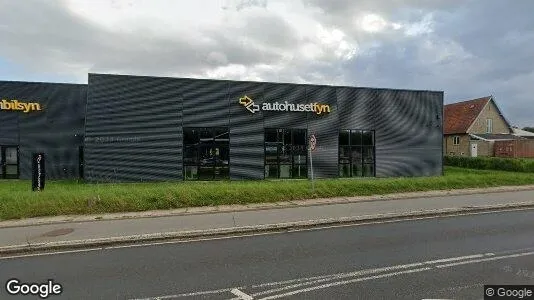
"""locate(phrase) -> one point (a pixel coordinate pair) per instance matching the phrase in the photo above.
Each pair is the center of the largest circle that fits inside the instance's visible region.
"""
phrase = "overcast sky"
(468, 49)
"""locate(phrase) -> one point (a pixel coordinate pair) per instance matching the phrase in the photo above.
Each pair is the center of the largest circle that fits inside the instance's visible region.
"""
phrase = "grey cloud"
(50, 35)
(270, 30)
(239, 5)
(497, 36)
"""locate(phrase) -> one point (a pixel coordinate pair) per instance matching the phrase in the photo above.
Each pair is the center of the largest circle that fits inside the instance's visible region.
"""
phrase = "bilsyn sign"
(16, 105)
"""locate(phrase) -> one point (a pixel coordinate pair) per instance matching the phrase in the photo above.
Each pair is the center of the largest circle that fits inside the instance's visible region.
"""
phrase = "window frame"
(489, 125)
(281, 147)
(357, 164)
(207, 143)
(4, 164)
(455, 139)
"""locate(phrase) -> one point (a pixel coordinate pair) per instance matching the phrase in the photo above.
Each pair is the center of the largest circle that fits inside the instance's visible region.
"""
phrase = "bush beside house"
(491, 163)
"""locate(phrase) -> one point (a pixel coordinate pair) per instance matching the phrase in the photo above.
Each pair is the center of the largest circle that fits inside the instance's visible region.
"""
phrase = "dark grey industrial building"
(138, 128)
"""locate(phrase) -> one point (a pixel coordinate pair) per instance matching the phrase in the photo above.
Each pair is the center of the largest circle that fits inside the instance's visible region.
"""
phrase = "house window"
(356, 153)
(456, 140)
(286, 153)
(206, 153)
(489, 126)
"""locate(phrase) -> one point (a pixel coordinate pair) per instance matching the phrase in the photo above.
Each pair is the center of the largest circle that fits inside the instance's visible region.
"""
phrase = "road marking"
(338, 276)
(485, 259)
(220, 291)
(458, 288)
(47, 254)
(346, 282)
(281, 231)
(289, 281)
(102, 248)
(437, 261)
(241, 295)
(387, 272)
(319, 279)
(384, 275)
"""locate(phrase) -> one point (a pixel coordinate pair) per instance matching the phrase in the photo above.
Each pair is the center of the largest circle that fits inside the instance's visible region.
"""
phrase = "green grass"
(70, 197)
(492, 163)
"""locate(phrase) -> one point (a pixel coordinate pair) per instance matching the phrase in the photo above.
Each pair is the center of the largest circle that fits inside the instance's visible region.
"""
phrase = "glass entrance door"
(9, 162)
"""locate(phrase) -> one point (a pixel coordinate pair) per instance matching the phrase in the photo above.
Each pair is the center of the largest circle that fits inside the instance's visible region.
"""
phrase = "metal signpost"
(311, 147)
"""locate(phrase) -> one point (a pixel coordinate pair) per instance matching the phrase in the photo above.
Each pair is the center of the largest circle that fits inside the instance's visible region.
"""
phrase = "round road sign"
(313, 142)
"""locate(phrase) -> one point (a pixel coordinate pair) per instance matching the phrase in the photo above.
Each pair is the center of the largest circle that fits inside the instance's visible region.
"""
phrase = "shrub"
(491, 163)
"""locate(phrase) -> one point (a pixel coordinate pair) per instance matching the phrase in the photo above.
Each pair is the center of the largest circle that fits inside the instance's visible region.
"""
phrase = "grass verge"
(491, 163)
(69, 197)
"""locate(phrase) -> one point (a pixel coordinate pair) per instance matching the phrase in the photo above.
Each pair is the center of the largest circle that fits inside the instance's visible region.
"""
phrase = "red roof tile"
(459, 116)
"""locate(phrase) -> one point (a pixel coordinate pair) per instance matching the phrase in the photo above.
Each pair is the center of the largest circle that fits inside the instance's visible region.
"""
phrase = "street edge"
(205, 210)
(236, 231)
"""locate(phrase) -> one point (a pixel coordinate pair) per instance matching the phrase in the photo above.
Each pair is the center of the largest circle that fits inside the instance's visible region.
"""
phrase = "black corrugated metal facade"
(133, 125)
(56, 130)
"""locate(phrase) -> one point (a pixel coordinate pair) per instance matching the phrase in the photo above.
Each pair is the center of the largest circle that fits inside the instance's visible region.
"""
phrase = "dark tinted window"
(191, 136)
(285, 153)
(355, 137)
(206, 153)
(368, 138)
(356, 153)
(344, 137)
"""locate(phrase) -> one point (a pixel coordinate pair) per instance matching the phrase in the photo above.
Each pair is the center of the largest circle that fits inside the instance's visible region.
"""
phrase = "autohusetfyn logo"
(317, 108)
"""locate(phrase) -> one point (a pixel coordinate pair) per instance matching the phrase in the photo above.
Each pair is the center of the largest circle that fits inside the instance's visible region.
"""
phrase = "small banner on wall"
(38, 171)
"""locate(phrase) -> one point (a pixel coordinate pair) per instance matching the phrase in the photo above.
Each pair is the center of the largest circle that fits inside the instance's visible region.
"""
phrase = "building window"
(285, 153)
(489, 126)
(9, 162)
(206, 153)
(456, 140)
(356, 153)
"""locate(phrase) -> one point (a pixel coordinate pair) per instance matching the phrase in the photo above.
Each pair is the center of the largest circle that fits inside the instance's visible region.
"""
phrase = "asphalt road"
(448, 258)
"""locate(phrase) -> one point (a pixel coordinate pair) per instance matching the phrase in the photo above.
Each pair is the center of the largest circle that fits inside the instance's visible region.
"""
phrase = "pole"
(311, 169)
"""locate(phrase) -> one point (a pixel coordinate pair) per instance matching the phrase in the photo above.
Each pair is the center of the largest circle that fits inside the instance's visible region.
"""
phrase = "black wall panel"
(145, 115)
(281, 93)
(325, 127)
(133, 128)
(205, 103)
(408, 133)
(246, 132)
(57, 130)
(356, 108)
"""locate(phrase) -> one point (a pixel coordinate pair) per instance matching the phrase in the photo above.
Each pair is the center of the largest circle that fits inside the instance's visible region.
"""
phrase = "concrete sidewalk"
(91, 231)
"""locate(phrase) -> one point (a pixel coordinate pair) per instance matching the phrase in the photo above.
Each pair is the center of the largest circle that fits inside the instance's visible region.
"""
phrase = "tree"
(531, 129)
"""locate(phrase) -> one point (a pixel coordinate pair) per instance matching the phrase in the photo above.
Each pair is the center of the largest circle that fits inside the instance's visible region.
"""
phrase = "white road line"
(188, 294)
(345, 282)
(48, 254)
(241, 295)
(338, 276)
(437, 261)
(289, 281)
(319, 279)
(136, 245)
(389, 275)
(430, 264)
(260, 234)
(484, 259)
